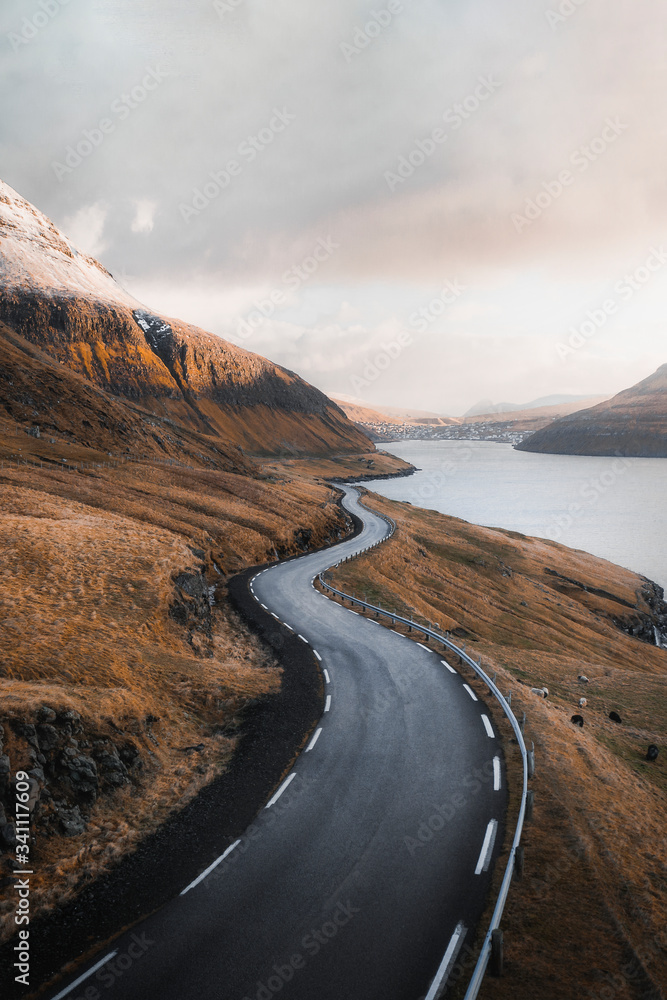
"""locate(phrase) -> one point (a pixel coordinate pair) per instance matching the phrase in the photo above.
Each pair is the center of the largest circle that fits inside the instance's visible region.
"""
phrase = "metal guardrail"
(505, 703)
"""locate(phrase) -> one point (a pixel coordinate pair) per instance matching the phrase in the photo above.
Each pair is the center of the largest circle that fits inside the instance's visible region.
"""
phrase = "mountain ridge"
(67, 304)
(633, 423)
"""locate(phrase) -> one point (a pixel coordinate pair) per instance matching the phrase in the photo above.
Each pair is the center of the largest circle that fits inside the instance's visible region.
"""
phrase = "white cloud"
(144, 216)
(86, 227)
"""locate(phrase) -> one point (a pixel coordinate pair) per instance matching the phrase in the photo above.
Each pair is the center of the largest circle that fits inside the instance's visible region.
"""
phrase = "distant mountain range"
(486, 406)
(634, 422)
(69, 332)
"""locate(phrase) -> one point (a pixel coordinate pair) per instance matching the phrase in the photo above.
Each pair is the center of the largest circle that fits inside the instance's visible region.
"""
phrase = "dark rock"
(111, 768)
(129, 755)
(71, 821)
(46, 714)
(615, 717)
(70, 718)
(27, 731)
(5, 764)
(652, 752)
(578, 720)
(8, 836)
(80, 774)
(47, 737)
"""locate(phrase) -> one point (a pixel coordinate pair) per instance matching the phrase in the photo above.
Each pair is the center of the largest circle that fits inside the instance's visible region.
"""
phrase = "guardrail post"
(497, 959)
(519, 861)
(530, 805)
(531, 760)
(509, 698)
(522, 724)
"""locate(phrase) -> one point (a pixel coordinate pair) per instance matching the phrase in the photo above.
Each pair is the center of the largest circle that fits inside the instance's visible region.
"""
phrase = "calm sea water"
(614, 508)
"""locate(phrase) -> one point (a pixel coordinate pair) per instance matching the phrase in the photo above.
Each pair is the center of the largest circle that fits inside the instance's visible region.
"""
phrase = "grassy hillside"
(634, 422)
(594, 895)
(120, 650)
(67, 305)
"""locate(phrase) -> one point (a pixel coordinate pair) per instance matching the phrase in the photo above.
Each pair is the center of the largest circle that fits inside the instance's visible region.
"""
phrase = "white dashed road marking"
(314, 740)
(210, 867)
(488, 727)
(487, 847)
(470, 692)
(280, 790)
(448, 961)
(76, 982)
(496, 774)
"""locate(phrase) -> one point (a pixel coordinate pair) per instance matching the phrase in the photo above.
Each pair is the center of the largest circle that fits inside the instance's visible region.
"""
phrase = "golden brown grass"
(593, 900)
(89, 561)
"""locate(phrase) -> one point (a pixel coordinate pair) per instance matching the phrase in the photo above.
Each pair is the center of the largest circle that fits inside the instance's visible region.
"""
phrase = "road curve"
(369, 863)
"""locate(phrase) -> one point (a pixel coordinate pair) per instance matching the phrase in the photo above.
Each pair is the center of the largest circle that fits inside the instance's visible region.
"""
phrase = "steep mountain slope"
(634, 422)
(69, 306)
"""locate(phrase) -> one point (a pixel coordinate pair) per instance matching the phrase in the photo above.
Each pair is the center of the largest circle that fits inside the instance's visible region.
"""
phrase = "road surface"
(367, 870)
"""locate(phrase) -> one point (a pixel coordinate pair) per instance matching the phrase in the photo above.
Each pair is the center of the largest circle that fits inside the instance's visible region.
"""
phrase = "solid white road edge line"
(327, 704)
(470, 692)
(326, 676)
(76, 982)
(448, 961)
(210, 867)
(314, 740)
(488, 727)
(487, 847)
(496, 774)
(280, 791)
(450, 668)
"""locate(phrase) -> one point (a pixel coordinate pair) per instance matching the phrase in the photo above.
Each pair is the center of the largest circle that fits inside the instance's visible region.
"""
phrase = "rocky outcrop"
(70, 765)
(645, 620)
(633, 423)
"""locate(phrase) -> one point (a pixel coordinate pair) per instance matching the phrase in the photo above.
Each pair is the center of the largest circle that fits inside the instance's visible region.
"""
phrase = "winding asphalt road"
(368, 869)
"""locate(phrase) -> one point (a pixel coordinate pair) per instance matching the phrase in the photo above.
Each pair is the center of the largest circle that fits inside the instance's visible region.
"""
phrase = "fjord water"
(612, 507)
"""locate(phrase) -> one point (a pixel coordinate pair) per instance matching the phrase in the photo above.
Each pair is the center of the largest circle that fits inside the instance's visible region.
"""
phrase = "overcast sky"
(392, 263)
